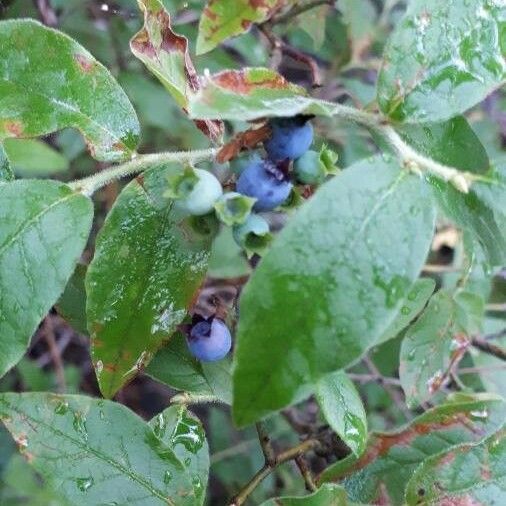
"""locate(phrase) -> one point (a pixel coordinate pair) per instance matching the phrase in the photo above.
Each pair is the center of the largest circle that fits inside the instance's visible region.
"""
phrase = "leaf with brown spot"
(468, 475)
(165, 53)
(147, 266)
(253, 93)
(49, 82)
(222, 19)
(391, 458)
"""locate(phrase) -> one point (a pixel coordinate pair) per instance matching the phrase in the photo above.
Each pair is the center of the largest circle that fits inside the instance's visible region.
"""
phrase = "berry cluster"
(263, 184)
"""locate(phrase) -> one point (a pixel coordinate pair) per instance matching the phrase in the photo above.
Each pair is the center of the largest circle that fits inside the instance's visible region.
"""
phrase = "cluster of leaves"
(341, 280)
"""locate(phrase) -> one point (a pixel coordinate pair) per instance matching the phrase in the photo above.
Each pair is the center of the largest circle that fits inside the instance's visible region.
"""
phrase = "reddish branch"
(46, 12)
(487, 347)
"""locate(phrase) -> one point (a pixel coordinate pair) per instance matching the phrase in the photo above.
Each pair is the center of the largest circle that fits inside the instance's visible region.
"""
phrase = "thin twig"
(48, 330)
(46, 12)
(369, 378)
(265, 443)
(392, 392)
(489, 369)
(495, 335)
(439, 268)
(487, 347)
(496, 307)
(277, 44)
(299, 9)
(306, 473)
(283, 457)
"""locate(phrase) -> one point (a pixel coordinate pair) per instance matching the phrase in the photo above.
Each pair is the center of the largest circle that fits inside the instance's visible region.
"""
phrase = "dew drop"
(479, 414)
(405, 310)
(61, 408)
(167, 477)
(84, 484)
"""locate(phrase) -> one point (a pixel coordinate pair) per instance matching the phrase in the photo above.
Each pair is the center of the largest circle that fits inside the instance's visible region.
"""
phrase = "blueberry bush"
(252, 252)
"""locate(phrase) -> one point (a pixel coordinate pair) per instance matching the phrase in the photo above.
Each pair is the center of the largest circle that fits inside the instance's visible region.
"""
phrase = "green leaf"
(72, 303)
(222, 19)
(49, 82)
(359, 16)
(430, 347)
(44, 228)
(442, 59)
(343, 409)
(318, 309)
(94, 451)
(470, 213)
(165, 54)
(227, 260)
(382, 472)
(176, 367)
(6, 173)
(411, 307)
(466, 474)
(326, 495)
(147, 267)
(34, 158)
(183, 433)
(493, 193)
(451, 143)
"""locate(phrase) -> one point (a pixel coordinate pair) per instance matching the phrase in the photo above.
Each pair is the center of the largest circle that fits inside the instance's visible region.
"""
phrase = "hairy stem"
(187, 398)
(91, 184)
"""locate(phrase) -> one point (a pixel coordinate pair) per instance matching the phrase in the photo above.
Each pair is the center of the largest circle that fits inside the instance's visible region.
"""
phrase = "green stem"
(91, 184)
(188, 398)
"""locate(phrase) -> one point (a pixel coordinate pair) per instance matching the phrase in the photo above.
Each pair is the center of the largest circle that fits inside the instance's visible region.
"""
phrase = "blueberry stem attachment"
(89, 185)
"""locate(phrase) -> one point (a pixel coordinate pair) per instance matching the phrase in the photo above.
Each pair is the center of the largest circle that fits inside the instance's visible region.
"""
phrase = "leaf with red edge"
(222, 19)
(165, 54)
(252, 93)
(381, 474)
(468, 475)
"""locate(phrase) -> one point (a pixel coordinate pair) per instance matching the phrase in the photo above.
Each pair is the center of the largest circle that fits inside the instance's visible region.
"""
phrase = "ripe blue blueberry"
(210, 340)
(262, 180)
(290, 138)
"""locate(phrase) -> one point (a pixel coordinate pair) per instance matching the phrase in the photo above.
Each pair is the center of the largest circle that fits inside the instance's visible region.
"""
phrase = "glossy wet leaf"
(176, 367)
(430, 347)
(49, 82)
(34, 158)
(442, 59)
(94, 451)
(342, 407)
(326, 495)
(346, 263)
(6, 173)
(147, 267)
(473, 215)
(165, 54)
(412, 305)
(183, 433)
(72, 303)
(451, 143)
(44, 229)
(467, 474)
(382, 472)
(222, 19)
